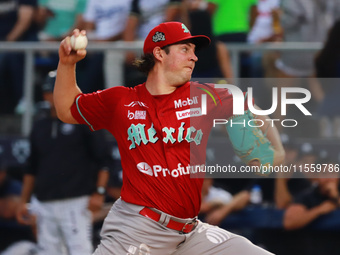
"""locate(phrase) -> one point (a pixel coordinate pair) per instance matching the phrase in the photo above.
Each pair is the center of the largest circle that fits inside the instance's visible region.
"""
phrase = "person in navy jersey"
(65, 181)
(11, 233)
(327, 65)
(16, 24)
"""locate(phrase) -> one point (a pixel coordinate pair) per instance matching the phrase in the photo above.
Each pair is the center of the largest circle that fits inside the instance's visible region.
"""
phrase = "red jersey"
(161, 139)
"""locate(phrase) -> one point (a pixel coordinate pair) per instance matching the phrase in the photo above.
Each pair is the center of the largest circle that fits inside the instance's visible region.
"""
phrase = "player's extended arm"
(274, 137)
(66, 89)
(255, 144)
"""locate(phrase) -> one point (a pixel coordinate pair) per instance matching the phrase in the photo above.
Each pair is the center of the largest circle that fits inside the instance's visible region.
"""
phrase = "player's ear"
(158, 53)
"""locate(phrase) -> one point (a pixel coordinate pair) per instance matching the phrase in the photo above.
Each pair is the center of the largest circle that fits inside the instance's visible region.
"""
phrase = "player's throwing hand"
(67, 55)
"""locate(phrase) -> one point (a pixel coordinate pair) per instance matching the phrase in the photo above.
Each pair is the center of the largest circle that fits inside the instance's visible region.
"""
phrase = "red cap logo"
(169, 33)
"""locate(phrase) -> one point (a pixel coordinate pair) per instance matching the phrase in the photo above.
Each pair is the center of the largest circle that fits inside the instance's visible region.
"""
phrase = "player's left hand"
(96, 202)
(249, 142)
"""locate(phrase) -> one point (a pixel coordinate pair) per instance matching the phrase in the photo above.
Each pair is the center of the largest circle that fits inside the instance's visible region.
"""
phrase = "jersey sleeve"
(97, 110)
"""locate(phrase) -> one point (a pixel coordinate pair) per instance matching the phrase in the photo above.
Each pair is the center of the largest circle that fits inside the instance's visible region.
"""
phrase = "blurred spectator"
(11, 233)
(213, 197)
(16, 24)
(144, 16)
(21, 248)
(105, 21)
(239, 189)
(287, 185)
(266, 28)
(67, 173)
(245, 196)
(277, 190)
(304, 21)
(327, 65)
(214, 60)
(58, 18)
(9, 195)
(231, 21)
(308, 154)
(113, 191)
(291, 149)
(238, 202)
(322, 198)
(115, 184)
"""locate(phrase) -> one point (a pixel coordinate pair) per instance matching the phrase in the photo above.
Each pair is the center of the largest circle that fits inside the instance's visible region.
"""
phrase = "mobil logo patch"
(188, 101)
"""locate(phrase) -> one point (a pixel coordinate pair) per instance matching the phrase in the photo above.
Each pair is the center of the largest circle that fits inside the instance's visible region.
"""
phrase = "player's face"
(179, 63)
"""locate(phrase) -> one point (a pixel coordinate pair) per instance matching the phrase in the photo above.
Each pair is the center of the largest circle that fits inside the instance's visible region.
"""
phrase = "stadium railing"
(30, 48)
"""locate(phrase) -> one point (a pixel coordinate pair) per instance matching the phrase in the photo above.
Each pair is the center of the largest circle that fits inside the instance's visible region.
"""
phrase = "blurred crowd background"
(295, 203)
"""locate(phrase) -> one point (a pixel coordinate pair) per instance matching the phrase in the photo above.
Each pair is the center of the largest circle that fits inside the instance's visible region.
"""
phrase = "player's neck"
(158, 85)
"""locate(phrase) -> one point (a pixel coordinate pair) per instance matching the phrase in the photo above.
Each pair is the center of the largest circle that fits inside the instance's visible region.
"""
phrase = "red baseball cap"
(172, 32)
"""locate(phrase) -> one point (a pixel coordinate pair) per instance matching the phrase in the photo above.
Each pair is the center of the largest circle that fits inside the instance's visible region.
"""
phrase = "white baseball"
(79, 42)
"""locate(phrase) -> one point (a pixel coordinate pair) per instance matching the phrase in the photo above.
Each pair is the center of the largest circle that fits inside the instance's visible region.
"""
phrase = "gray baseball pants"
(126, 232)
